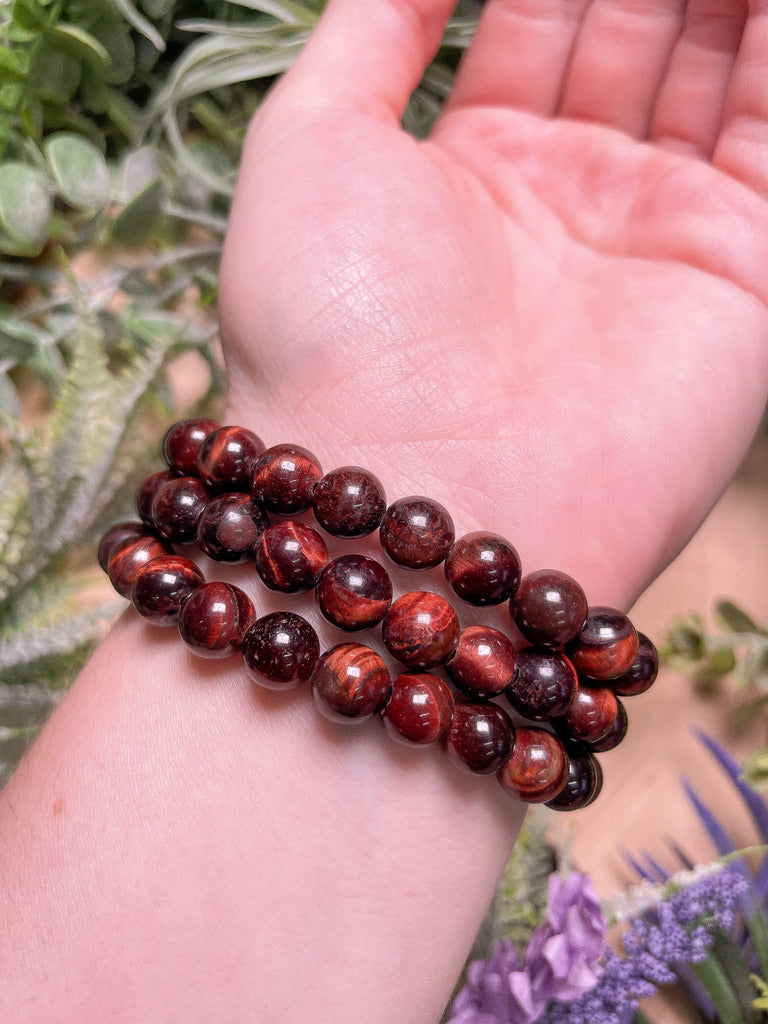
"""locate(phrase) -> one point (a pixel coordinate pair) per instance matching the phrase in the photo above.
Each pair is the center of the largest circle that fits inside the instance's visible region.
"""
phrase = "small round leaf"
(79, 169)
(25, 204)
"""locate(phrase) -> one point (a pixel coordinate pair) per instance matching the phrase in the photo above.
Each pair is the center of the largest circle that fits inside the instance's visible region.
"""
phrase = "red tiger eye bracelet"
(219, 490)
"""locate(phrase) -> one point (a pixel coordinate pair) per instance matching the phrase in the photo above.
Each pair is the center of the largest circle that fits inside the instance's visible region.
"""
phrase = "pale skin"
(553, 317)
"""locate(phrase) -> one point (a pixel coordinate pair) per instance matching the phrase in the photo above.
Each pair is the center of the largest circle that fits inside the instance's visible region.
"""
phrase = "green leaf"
(81, 44)
(31, 15)
(79, 170)
(138, 220)
(140, 23)
(25, 204)
(732, 619)
(717, 664)
(756, 769)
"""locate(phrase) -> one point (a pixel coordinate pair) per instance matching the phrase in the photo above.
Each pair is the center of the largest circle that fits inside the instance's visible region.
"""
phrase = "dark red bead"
(226, 459)
(615, 734)
(145, 495)
(484, 663)
(177, 507)
(483, 568)
(350, 683)
(591, 715)
(537, 769)
(480, 737)
(545, 684)
(290, 556)
(349, 502)
(182, 443)
(214, 619)
(641, 674)
(284, 478)
(606, 646)
(115, 536)
(416, 532)
(549, 607)
(161, 585)
(419, 710)
(421, 630)
(354, 592)
(583, 785)
(280, 650)
(229, 527)
(128, 557)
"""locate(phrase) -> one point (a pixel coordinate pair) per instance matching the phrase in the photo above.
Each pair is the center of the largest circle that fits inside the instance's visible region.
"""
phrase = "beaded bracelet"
(219, 490)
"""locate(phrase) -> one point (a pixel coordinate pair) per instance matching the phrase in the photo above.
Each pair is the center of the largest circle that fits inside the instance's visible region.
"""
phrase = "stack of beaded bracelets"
(219, 490)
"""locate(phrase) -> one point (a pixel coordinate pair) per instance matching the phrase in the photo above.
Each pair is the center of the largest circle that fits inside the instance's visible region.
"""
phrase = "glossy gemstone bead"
(421, 630)
(419, 710)
(615, 734)
(145, 495)
(583, 785)
(354, 592)
(537, 769)
(483, 568)
(127, 558)
(591, 715)
(416, 532)
(480, 737)
(641, 674)
(350, 683)
(284, 478)
(161, 585)
(226, 458)
(116, 535)
(229, 527)
(349, 502)
(484, 663)
(545, 684)
(549, 607)
(182, 443)
(606, 646)
(280, 650)
(214, 619)
(290, 556)
(177, 507)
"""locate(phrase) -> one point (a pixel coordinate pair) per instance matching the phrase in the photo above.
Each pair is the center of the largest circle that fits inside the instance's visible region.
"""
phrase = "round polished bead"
(354, 592)
(484, 663)
(284, 478)
(615, 734)
(419, 710)
(145, 495)
(416, 532)
(641, 674)
(545, 684)
(280, 650)
(607, 645)
(226, 458)
(350, 683)
(177, 507)
(591, 715)
(182, 443)
(549, 607)
(290, 556)
(116, 535)
(229, 527)
(421, 630)
(480, 737)
(349, 502)
(127, 558)
(583, 785)
(214, 619)
(483, 568)
(161, 585)
(537, 769)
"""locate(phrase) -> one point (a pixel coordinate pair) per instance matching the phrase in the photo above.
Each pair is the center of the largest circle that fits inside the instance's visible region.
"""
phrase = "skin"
(552, 317)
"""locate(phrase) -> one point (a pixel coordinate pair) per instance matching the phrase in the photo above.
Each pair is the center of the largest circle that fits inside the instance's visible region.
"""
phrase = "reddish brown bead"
(177, 507)
(182, 443)
(606, 646)
(538, 767)
(549, 607)
(416, 532)
(214, 619)
(350, 683)
(226, 459)
(128, 557)
(290, 556)
(161, 585)
(615, 734)
(480, 737)
(116, 535)
(591, 715)
(349, 502)
(145, 495)
(280, 650)
(354, 592)
(583, 785)
(229, 527)
(483, 568)
(284, 478)
(545, 684)
(641, 674)
(484, 663)
(421, 630)
(419, 710)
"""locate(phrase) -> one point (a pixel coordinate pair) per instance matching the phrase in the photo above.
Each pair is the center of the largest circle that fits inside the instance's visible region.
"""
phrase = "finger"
(618, 61)
(519, 55)
(689, 107)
